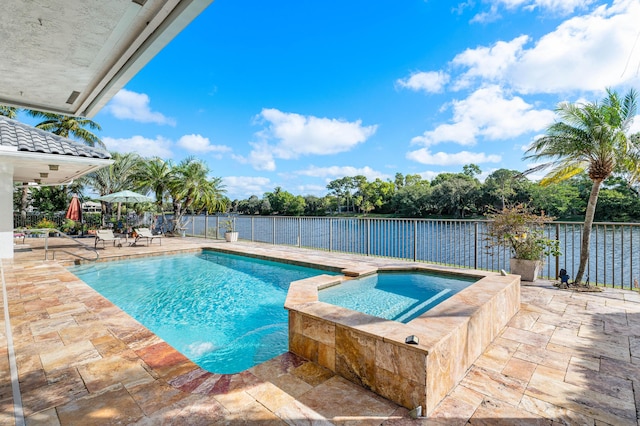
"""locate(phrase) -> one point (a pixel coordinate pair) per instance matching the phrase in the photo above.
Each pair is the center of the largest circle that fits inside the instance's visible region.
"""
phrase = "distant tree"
(591, 137)
(412, 200)
(315, 206)
(471, 170)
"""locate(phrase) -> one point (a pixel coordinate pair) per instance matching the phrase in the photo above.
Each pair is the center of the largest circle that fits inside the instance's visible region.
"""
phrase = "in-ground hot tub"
(373, 352)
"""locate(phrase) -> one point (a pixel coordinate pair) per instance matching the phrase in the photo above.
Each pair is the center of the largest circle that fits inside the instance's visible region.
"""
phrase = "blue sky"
(296, 94)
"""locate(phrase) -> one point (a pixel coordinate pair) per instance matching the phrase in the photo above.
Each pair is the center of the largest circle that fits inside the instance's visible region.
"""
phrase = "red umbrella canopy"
(74, 212)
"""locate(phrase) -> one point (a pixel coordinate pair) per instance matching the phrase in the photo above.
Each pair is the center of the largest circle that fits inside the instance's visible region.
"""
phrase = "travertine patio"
(565, 358)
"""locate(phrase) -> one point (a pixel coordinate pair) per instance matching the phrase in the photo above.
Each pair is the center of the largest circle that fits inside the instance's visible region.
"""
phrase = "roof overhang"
(72, 56)
(48, 169)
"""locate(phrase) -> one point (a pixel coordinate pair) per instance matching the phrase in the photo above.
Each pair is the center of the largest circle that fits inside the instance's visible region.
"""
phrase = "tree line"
(451, 195)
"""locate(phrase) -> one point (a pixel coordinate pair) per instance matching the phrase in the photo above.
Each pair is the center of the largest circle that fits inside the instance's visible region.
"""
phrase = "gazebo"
(33, 156)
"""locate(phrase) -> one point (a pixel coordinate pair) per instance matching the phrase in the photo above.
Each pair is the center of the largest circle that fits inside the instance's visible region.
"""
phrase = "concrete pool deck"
(564, 358)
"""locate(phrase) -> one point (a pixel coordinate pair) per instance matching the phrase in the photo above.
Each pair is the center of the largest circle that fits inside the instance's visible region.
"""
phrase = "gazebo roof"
(39, 156)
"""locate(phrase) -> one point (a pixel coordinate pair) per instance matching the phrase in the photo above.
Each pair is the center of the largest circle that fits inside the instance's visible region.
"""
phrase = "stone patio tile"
(582, 400)
(312, 373)
(493, 412)
(48, 325)
(497, 354)
(107, 372)
(154, 396)
(590, 346)
(72, 355)
(543, 328)
(107, 345)
(342, 402)
(457, 407)
(519, 369)
(43, 418)
(291, 385)
(524, 319)
(551, 373)
(270, 396)
(600, 382)
(84, 332)
(542, 356)
(62, 386)
(278, 366)
(66, 309)
(592, 363)
(297, 413)
(112, 407)
(560, 415)
(524, 336)
(494, 385)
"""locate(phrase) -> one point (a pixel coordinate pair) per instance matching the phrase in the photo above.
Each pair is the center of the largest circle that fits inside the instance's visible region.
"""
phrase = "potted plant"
(523, 233)
(47, 227)
(229, 225)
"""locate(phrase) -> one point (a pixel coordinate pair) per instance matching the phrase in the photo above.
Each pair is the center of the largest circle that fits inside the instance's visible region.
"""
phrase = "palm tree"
(190, 188)
(7, 111)
(116, 177)
(588, 137)
(69, 127)
(155, 176)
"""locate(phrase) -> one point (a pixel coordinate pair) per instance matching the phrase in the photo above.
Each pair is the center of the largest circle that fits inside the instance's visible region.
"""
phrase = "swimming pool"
(394, 295)
(224, 312)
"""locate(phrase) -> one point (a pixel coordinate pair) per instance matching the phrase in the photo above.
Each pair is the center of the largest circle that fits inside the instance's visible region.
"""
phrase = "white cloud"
(201, 144)
(424, 156)
(158, 147)
(585, 53)
(128, 105)
(488, 63)
(289, 136)
(261, 157)
(431, 82)
(489, 114)
(245, 186)
(555, 7)
(341, 171)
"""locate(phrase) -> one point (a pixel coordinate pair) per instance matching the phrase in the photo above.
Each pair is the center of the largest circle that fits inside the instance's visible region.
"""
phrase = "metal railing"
(614, 259)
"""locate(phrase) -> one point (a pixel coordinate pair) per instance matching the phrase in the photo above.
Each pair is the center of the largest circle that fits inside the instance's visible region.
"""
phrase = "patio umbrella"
(74, 212)
(125, 197)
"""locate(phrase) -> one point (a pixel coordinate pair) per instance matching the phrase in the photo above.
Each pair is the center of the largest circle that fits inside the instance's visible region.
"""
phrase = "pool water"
(224, 312)
(395, 296)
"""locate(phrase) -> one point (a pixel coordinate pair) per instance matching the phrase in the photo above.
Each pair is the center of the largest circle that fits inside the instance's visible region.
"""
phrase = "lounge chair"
(106, 235)
(146, 233)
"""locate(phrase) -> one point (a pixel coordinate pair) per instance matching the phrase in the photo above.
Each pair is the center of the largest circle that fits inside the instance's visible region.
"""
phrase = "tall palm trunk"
(586, 233)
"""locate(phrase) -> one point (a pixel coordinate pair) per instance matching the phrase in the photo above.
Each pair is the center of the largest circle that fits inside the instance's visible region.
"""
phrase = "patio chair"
(106, 235)
(146, 233)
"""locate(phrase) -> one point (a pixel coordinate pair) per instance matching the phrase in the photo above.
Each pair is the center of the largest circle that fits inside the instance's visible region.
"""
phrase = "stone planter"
(527, 269)
(231, 236)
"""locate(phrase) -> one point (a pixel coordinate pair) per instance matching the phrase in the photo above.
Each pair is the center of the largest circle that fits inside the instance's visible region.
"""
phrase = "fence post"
(252, 228)
(415, 240)
(368, 229)
(475, 245)
(330, 234)
(193, 224)
(206, 224)
(274, 229)
(217, 227)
